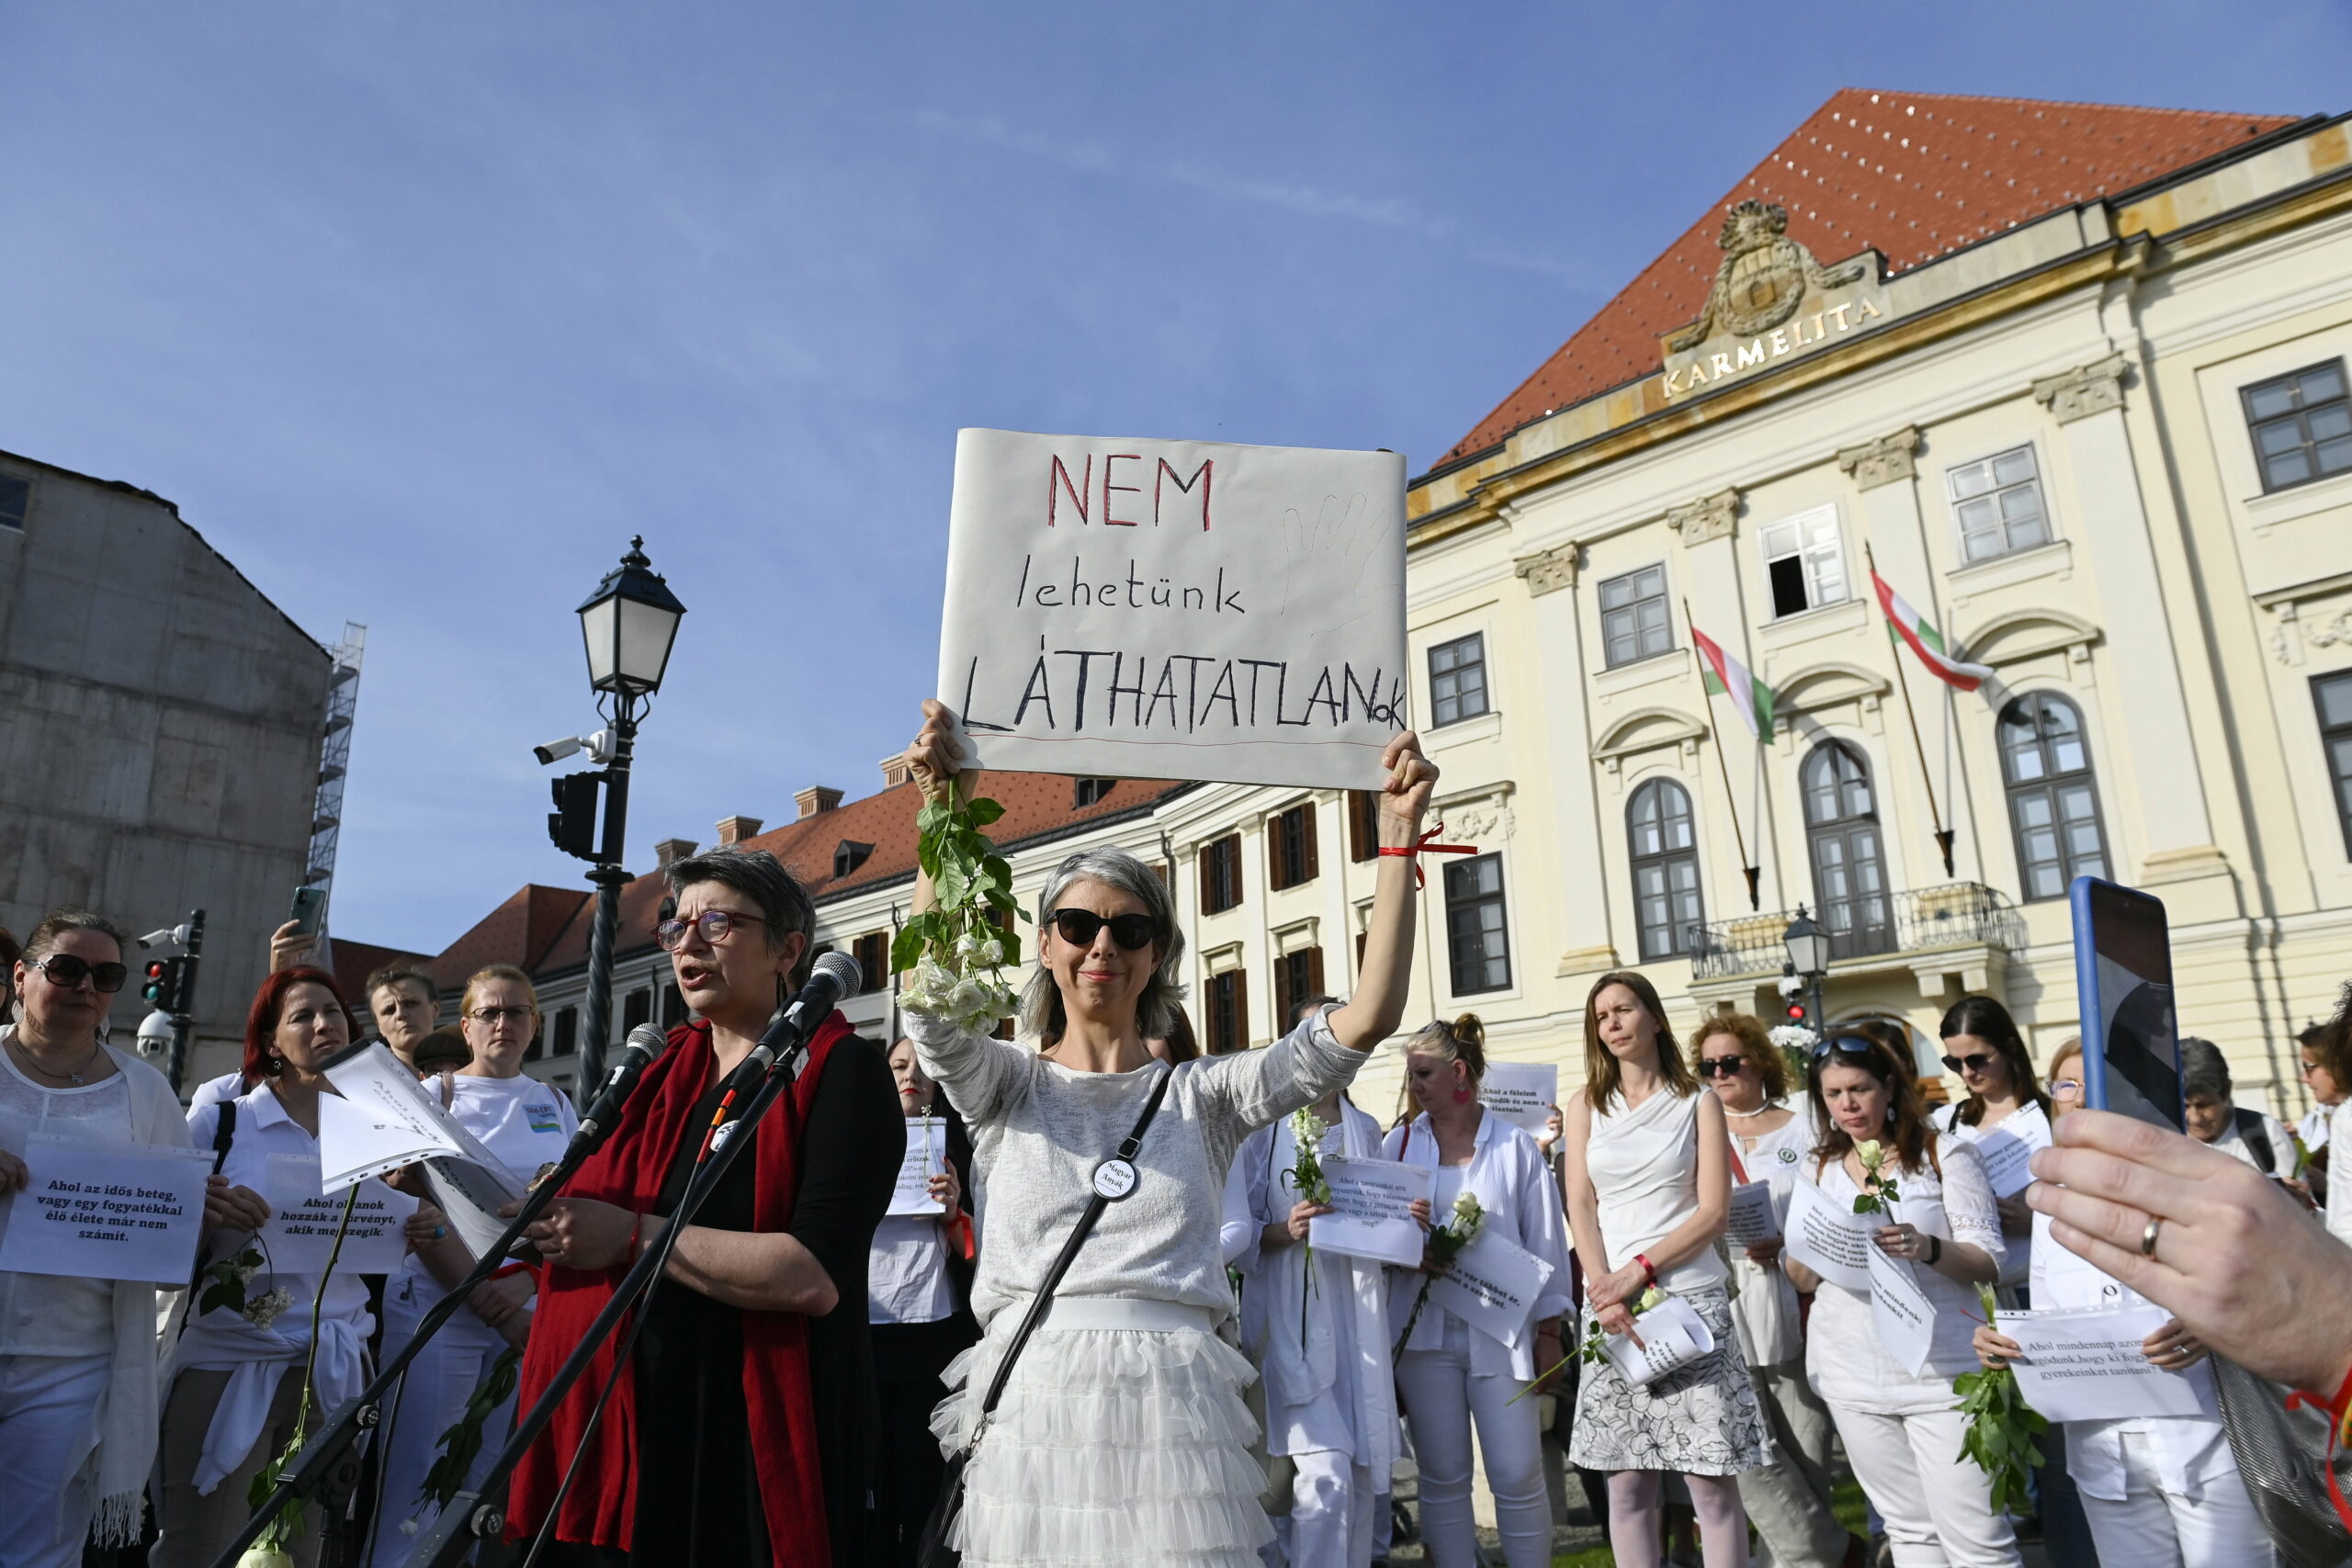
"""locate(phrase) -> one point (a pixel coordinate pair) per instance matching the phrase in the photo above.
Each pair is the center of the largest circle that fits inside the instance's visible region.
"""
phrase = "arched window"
(1849, 872)
(2054, 800)
(1666, 868)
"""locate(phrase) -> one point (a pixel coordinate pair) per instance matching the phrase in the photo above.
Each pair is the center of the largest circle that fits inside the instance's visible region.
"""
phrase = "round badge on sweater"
(1114, 1178)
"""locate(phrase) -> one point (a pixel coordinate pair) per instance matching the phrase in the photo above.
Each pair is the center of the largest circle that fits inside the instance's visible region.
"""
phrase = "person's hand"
(1617, 1318)
(579, 1233)
(427, 1226)
(1624, 1284)
(945, 1189)
(228, 1208)
(408, 1178)
(1767, 1254)
(1300, 1214)
(2239, 1262)
(1993, 1348)
(1902, 1241)
(516, 1329)
(2173, 1348)
(1547, 1355)
(491, 1304)
(289, 946)
(14, 1175)
(2015, 1218)
(936, 755)
(1551, 1135)
(1419, 1208)
(1404, 799)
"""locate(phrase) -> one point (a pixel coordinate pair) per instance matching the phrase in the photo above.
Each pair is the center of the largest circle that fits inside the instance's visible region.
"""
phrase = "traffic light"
(166, 986)
(1792, 993)
(573, 824)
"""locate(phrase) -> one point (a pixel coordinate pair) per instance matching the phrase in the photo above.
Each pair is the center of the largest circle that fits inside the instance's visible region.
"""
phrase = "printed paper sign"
(1492, 1285)
(469, 1197)
(1673, 1335)
(926, 1149)
(1521, 1093)
(1834, 1242)
(303, 1221)
(1371, 1201)
(1175, 609)
(382, 1121)
(2007, 1148)
(1755, 1218)
(2087, 1366)
(106, 1210)
(1910, 1327)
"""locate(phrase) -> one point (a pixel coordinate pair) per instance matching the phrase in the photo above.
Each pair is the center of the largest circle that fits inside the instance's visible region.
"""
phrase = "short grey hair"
(56, 923)
(1163, 993)
(2204, 1071)
(783, 903)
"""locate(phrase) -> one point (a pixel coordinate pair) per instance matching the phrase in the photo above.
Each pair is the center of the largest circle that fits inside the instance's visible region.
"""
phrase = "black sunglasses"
(1721, 1067)
(64, 969)
(1080, 927)
(1850, 1046)
(1976, 1062)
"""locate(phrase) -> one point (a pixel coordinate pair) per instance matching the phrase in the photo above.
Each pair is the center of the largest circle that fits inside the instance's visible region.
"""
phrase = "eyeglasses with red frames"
(714, 924)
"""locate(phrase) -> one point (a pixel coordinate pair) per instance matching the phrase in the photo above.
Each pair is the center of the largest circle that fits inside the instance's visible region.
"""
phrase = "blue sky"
(420, 310)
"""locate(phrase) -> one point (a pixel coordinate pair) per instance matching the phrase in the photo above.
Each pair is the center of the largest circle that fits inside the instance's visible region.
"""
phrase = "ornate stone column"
(1551, 577)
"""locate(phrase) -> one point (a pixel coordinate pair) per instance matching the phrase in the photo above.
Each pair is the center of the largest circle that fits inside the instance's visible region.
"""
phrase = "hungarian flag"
(1925, 641)
(1728, 677)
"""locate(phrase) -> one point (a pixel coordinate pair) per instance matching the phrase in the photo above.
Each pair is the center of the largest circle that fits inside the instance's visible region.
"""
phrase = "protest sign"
(1175, 609)
(1832, 1242)
(1673, 1335)
(2007, 1149)
(106, 1210)
(917, 1165)
(302, 1222)
(2088, 1366)
(1755, 1218)
(1371, 1201)
(1492, 1285)
(1521, 1093)
(1910, 1327)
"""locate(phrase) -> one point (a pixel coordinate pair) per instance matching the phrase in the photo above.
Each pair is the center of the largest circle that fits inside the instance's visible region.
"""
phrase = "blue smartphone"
(2123, 975)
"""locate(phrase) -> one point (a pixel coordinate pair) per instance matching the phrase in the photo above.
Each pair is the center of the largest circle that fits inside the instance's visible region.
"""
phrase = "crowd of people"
(1116, 1341)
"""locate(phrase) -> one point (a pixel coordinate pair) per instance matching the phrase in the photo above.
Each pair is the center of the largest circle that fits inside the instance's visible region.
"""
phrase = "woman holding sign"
(1647, 1170)
(2006, 1113)
(1121, 1437)
(1928, 1206)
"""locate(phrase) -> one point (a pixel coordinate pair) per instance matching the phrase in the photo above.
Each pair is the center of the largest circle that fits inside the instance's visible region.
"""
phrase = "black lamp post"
(627, 627)
(1808, 947)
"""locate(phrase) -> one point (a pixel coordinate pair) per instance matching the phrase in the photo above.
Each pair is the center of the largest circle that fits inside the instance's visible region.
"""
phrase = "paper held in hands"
(1372, 1218)
(1833, 1243)
(2088, 1366)
(1175, 609)
(1492, 1285)
(1673, 1335)
(2009, 1149)
(1521, 1093)
(106, 1210)
(925, 1149)
(1910, 1327)
(1755, 1217)
(303, 1220)
(385, 1118)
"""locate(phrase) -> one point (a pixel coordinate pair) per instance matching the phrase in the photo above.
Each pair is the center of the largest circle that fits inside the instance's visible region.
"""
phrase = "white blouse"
(1644, 1162)
(2028, 1123)
(1764, 1307)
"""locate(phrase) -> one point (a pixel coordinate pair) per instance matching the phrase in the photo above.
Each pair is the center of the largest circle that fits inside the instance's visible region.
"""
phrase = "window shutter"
(1363, 825)
(1208, 879)
(1308, 872)
(1241, 1010)
(1315, 972)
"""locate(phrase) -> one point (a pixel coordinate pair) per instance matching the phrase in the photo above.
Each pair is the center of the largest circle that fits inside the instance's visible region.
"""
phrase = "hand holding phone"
(2123, 979)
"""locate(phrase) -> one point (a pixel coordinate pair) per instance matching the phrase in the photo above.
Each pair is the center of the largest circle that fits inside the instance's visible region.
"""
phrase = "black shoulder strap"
(2257, 1136)
(1078, 1233)
(224, 1132)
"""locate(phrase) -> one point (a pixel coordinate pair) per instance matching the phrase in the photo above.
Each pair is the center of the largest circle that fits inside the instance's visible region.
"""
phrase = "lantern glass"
(627, 627)
(1808, 945)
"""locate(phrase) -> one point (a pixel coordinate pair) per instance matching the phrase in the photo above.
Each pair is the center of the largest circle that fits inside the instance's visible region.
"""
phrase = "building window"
(1089, 792)
(1477, 945)
(1290, 840)
(2053, 804)
(872, 952)
(636, 1007)
(567, 1032)
(1634, 623)
(1297, 975)
(1363, 825)
(1458, 679)
(1666, 868)
(674, 1008)
(2301, 425)
(1997, 501)
(1221, 875)
(2334, 695)
(1228, 1012)
(1803, 562)
(848, 855)
(16, 498)
(1848, 870)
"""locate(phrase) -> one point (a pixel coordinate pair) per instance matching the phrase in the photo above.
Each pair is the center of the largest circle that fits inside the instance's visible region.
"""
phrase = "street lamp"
(1808, 948)
(627, 627)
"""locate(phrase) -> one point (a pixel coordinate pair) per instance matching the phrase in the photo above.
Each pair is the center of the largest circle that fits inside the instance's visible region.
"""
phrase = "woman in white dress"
(2159, 1491)
(1789, 1499)
(1647, 1170)
(1450, 1372)
(1900, 1429)
(1122, 1437)
(525, 1125)
(1982, 1045)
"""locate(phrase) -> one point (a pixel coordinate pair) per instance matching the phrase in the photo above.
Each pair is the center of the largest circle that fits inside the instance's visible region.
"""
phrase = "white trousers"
(1443, 1397)
(2151, 1528)
(430, 1399)
(47, 1405)
(1330, 1511)
(1938, 1506)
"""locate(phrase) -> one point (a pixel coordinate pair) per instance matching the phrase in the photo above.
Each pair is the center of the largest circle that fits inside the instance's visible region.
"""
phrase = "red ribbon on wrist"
(1410, 851)
(2339, 1417)
(1649, 1270)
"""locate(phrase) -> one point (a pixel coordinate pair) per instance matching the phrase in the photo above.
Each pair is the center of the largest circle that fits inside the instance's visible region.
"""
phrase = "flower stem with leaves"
(959, 948)
(1306, 1132)
(2001, 1427)
(281, 1531)
(1445, 1245)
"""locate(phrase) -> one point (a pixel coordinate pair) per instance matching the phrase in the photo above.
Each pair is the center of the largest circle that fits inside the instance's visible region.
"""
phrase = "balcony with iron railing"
(1960, 928)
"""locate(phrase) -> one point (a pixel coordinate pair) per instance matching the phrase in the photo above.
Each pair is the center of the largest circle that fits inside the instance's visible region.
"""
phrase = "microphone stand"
(469, 1518)
(329, 1463)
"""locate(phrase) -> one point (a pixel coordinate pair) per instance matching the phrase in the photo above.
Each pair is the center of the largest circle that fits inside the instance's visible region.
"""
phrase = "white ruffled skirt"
(1122, 1439)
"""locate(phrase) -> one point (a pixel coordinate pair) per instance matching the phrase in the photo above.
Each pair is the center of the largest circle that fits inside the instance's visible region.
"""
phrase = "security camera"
(601, 747)
(555, 751)
(155, 1034)
(1790, 986)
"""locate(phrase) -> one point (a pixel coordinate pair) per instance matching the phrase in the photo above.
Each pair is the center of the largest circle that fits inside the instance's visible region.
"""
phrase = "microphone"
(836, 975)
(644, 1048)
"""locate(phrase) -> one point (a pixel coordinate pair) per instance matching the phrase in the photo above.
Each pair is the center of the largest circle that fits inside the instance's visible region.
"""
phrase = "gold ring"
(2148, 1237)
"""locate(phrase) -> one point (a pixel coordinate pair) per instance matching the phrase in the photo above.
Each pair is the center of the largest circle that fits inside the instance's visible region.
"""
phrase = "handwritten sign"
(107, 1211)
(1833, 1243)
(1175, 609)
(2007, 1148)
(2089, 1366)
(303, 1220)
(1492, 1285)
(1755, 1218)
(917, 1165)
(1371, 1201)
(1673, 1335)
(1910, 1327)
(1521, 1093)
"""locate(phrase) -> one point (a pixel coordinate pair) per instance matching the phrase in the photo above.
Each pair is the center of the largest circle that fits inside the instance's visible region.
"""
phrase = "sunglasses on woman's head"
(1974, 1062)
(64, 969)
(1850, 1046)
(1079, 928)
(1721, 1067)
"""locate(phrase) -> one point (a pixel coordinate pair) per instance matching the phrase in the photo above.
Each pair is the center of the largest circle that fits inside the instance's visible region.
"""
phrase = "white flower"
(992, 952)
(1793, 1037)
(260, 1313)
(1870, 1153)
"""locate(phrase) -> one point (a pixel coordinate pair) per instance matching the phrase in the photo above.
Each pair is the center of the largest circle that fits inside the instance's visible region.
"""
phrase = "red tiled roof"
(355, 961)
(1916, 175)
(520, 931)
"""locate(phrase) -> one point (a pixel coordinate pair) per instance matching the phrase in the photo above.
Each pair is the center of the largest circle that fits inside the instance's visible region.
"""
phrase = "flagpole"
(1731, 801)
(1944, 835)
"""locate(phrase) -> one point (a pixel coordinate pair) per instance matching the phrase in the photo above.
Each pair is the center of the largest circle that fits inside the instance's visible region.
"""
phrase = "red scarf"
(601, 1507)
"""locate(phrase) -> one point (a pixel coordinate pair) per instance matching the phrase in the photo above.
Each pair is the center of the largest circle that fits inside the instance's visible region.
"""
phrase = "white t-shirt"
(2282, 1147)
(524, 1122)
(58, 1315)
(905, 1276)
(212, 1091)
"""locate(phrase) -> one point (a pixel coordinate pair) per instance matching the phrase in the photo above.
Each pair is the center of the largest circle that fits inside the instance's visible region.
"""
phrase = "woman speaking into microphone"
(1120, 1437)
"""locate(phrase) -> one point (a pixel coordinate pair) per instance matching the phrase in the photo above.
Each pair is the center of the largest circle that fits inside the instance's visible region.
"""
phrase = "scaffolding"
(335, 756)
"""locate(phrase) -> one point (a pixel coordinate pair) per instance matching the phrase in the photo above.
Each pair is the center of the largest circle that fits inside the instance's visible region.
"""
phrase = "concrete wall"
(159, 737)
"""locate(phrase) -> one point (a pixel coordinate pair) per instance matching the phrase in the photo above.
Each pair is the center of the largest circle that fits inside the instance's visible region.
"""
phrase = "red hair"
(270, 1002)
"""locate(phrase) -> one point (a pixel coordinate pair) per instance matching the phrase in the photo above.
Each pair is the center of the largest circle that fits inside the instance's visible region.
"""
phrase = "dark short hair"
(1304, 1008)
(56, 923)
(2333, 1046)
(759, 875)
(2204, 1071)
(401, 974)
